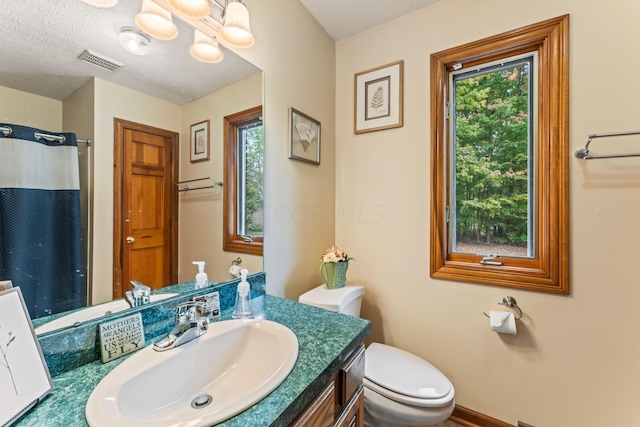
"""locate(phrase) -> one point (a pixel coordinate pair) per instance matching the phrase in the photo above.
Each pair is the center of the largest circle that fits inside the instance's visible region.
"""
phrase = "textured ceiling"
(41, 40)
(344, 18)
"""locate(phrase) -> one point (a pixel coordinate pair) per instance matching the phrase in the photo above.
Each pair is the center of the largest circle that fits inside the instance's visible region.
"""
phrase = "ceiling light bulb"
(197, 9)
(156, 21)
(101, 3)
(134, 41)
(205, 49)
(235, 31)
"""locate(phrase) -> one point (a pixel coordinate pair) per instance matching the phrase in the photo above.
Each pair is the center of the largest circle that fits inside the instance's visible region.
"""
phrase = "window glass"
(250, 177)
(493, 162)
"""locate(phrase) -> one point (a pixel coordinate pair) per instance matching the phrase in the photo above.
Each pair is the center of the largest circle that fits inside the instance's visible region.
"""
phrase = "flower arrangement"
(335, 254)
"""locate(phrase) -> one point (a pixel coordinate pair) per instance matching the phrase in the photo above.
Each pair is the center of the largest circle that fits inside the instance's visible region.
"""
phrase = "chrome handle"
(130, 239)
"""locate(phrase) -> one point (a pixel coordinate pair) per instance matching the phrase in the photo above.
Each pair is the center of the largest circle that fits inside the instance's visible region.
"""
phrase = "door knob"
(130, 239)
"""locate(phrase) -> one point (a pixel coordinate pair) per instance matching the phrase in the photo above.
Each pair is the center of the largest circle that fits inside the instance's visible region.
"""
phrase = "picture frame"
(24, 376)
(200, 141)
(304, 132)
(378, 98)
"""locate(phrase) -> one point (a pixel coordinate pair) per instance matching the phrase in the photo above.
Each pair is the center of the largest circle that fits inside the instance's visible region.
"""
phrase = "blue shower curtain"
(40, 220)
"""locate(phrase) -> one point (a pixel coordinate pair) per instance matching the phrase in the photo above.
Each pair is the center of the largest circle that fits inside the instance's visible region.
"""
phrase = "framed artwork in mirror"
(24, 375)
(304, 137)
(378, 98)
(200, 141)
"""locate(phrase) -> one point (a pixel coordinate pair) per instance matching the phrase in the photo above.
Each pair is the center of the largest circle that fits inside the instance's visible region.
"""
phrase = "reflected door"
(148, 209)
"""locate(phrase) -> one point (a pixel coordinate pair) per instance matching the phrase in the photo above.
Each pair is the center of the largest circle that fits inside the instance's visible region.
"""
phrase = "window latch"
(490, 260)
(247, 239)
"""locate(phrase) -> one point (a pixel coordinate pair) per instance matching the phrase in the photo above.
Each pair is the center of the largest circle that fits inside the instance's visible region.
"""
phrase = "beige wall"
(298, 59)
(78, 117)
(201, 211)
(575, 359)
(30, 110)
(114, 101)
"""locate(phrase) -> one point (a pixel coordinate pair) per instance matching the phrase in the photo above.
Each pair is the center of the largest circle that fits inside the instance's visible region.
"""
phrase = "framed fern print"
(378, 98)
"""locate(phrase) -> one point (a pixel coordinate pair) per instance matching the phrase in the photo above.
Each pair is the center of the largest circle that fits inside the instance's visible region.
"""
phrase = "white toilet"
(400, 389)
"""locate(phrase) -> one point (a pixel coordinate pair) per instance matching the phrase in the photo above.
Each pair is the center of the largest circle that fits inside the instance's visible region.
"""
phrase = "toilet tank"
(346, 300)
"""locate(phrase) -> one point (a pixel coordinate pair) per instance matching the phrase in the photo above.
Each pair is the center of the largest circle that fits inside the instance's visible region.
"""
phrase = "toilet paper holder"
(511, 303)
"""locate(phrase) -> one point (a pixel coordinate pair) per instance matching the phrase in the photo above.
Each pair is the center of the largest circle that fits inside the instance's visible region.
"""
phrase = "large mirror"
(44, 85)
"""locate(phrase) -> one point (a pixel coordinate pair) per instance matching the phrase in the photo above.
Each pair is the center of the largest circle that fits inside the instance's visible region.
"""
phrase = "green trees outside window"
(252, 188)
(492, 123)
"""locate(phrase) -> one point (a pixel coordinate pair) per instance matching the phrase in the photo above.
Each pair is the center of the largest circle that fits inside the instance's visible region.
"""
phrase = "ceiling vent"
(99, 61)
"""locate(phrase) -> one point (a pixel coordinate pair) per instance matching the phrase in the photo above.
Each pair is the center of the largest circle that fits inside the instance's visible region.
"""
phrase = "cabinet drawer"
(322, 411)
(352, 375)
(353, 415)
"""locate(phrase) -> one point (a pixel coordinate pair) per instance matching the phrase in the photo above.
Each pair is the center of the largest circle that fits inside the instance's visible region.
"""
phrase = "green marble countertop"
(325, 340)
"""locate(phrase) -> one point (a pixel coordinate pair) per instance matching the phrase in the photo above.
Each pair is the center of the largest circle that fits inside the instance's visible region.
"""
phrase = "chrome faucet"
(190, 324)
(141, 294)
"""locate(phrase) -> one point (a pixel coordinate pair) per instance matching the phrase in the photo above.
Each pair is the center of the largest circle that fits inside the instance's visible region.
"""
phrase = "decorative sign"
(212, 304)
(24, 376)
(121, 336)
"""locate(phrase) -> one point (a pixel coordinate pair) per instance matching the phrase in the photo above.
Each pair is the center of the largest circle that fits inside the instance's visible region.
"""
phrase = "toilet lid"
(400, 375)
(331, 299)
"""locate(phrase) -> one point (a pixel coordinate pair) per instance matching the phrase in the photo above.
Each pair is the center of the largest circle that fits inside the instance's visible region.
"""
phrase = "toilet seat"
(404, 377)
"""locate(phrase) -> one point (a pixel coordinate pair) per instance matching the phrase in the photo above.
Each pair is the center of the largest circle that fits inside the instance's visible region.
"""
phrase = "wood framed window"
(243, 201)
(499, 159)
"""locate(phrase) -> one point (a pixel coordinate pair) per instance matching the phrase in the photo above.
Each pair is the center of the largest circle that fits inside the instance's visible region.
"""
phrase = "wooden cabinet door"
(322, 411)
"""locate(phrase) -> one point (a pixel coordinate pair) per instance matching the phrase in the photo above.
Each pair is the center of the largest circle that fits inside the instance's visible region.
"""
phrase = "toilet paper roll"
(234, 270)
(503, 322)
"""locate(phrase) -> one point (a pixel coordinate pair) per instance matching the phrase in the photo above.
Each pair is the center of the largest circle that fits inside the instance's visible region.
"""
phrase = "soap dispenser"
(243, 308)
(201, 278)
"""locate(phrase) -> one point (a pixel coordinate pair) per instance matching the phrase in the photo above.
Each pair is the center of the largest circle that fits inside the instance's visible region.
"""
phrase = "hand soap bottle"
(201, 278)
(243, 308)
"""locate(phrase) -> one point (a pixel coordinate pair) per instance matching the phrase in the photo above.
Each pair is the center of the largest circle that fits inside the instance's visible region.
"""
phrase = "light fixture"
(134, 41)
(209, 18)
(101, 3)
(192, 8)
(156, 21)
(235, 30)
(205, 49)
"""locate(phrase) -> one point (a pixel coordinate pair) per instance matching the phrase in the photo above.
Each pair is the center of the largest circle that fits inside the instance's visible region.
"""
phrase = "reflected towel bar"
(583, 153)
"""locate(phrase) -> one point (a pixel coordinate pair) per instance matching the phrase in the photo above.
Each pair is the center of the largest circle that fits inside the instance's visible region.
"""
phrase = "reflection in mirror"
(45, 86)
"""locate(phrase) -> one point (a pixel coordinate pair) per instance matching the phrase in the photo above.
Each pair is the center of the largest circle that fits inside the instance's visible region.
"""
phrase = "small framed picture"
(378, 98)
(200, 141)
(304, 137)
(24, 375)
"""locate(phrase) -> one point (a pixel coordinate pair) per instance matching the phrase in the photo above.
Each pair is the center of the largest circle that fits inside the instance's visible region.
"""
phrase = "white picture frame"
(24, 376)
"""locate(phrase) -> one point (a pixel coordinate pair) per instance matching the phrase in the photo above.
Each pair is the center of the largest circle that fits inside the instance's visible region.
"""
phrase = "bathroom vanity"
(323, 389)
(340, 402)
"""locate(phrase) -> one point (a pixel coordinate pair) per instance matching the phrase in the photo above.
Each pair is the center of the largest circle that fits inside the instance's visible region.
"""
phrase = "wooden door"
(145, 207)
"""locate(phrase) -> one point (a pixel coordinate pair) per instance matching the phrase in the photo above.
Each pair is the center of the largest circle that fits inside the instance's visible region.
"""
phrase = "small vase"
(335, 274)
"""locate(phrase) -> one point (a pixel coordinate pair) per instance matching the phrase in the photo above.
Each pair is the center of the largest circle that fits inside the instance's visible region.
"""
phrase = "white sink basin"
(90, 313)
(236, 363)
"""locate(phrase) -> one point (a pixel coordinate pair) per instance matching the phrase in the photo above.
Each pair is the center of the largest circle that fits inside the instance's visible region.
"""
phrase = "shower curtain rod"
(6, 130)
